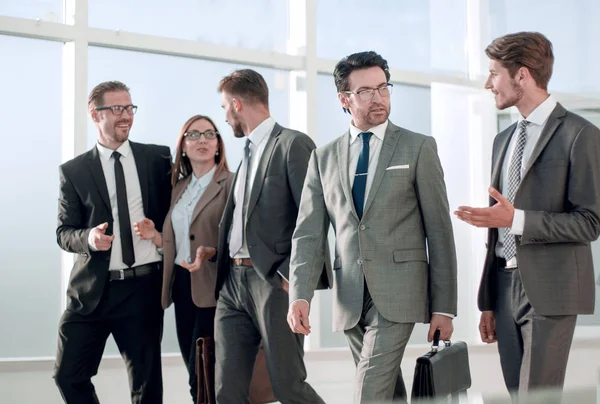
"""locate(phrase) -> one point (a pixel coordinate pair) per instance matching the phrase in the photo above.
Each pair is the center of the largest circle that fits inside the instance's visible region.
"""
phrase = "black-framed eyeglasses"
(368, 93)
(195, 135)
(118, 109)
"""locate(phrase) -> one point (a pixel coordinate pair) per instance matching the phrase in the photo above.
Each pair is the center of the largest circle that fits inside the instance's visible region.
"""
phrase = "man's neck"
(531, 101)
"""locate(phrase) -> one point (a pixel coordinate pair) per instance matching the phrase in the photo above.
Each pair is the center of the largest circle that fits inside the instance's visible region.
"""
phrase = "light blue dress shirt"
(181, 217)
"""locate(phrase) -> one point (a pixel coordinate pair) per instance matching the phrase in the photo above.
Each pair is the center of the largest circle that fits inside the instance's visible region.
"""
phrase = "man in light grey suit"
(255, 240)
(382, 189)
(538, 274)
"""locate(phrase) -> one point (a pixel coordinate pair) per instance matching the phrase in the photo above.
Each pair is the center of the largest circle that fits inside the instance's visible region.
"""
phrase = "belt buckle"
(121, 274)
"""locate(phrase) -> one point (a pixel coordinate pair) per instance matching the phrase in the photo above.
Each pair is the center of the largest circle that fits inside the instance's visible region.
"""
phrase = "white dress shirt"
(181, 216)
(145, 250)
(537, 120)
(258, 141)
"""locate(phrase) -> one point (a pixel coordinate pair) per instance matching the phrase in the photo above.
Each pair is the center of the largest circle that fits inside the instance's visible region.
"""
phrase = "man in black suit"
(115, 284)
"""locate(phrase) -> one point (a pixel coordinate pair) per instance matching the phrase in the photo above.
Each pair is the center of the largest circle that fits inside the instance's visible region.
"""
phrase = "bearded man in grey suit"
(544, 213)
(382, 189)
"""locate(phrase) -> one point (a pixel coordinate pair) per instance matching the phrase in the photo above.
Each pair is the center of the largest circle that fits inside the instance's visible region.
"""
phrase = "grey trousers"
(378, 346)
(534, 349)
(249, 310)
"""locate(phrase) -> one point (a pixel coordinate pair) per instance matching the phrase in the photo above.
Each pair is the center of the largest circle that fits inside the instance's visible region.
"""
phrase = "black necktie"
(123, 207)
(360, 178)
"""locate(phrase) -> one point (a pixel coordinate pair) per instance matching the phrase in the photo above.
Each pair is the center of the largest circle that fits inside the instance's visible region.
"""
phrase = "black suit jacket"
(272, 207)
(83, 204)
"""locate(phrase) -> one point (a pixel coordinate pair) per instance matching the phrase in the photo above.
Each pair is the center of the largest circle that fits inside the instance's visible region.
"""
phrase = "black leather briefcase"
(442, 373)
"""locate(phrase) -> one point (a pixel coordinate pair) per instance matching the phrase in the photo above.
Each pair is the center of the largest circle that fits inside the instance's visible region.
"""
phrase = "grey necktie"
(514, 179)
(237, 228)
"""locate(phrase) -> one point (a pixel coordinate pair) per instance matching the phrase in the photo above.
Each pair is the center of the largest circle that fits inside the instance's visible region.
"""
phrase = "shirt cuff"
(301, 300)
(90, 242)
(280, 274)
(518, 223)
(445, 314)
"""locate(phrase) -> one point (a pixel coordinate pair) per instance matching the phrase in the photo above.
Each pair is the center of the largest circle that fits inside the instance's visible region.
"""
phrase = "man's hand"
(487, 327)
(442, 323)
(498, 216)
(99, 240)
(145, 229)
(202, 254)
(298, 317)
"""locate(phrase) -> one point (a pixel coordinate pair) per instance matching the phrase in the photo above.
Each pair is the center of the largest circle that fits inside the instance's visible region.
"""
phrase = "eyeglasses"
(369, 93)
(195, 135)
(118, 109)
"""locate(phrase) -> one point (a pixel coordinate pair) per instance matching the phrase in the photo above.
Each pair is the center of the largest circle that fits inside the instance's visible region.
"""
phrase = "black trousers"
(192, 322)
(129, 310)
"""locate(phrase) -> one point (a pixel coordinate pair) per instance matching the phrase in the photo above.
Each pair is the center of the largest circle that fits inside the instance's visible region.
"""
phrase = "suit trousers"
(534, 349)
(377, 347)
(249, 310)
(130, 310)
(191, 323)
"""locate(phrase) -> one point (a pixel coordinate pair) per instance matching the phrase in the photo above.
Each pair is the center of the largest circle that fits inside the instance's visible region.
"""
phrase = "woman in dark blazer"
(201, 183)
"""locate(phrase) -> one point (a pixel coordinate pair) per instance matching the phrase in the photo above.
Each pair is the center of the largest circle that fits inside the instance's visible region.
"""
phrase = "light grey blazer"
(560, 194)
(403, 246)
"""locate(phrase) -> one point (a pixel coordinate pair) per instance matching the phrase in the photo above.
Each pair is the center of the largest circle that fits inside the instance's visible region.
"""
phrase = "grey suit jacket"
(203, 231)
(403, 246)
(272, 207)
(560, 194)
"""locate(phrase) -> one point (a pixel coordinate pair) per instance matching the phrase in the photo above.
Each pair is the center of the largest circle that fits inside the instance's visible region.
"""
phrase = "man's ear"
(237, 104)
(344, 100)
(94, 115)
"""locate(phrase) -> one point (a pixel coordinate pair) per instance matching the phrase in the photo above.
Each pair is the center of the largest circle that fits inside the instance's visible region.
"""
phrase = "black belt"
(135, 272)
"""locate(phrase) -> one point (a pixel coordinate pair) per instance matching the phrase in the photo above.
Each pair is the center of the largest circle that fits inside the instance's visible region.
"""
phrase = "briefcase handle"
(436, 341)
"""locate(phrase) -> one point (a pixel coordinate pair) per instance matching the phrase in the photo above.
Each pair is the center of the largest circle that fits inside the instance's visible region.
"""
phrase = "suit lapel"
(98, 175)
(503, 141)
(141, 163)
(262, 168)
(554, 121)
(211, 191)
(343, 162)
(392, 134)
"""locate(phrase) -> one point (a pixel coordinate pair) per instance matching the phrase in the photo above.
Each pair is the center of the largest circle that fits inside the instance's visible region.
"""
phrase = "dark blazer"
(83, 204)
(272, 206)
(204, 231)
(560, 194)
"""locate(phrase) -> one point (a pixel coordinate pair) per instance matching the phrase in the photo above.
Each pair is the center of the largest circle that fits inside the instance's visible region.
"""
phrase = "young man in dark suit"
(115, 283)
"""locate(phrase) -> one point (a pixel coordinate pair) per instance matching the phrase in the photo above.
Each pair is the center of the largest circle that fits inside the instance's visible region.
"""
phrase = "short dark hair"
(524, 49)
(357, 61)
(246, 84)
(96, 97)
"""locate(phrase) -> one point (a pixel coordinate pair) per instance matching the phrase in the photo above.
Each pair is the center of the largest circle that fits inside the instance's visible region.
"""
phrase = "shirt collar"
(204, 180)
(378, 131)
(540, 115)
(106, 153)
(261, 131)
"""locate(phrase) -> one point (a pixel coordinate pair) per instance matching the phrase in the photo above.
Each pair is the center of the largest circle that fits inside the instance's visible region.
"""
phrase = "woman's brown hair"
(183, 167)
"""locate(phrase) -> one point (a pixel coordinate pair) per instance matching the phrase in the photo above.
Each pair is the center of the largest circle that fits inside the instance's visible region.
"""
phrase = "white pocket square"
(400, 167)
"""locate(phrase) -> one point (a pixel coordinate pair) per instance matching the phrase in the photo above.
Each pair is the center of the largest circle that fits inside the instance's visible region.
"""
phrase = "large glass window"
(416, 35)
(45, 10)
(169, 90)
(259, 24)
(572, 30)
(30, 263)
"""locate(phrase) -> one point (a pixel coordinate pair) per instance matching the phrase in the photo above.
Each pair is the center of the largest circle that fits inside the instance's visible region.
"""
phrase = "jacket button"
(363, 227)
(359, 261)
(192, 237)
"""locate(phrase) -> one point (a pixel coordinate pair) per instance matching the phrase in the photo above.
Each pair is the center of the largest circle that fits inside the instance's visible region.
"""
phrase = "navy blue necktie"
(360, 178)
